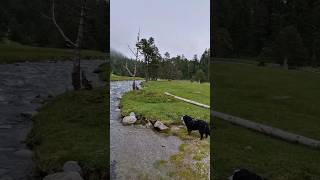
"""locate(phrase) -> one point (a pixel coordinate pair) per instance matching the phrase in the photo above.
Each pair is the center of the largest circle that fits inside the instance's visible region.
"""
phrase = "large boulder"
(160, 126)
(64, 176)
(131, 119)
(72, 166)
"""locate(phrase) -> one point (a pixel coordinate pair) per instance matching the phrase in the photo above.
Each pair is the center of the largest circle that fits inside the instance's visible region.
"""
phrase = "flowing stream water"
(136, 149)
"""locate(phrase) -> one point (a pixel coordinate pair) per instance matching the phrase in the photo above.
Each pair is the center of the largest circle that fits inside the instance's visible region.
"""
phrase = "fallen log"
(268, 130)
(187, 100)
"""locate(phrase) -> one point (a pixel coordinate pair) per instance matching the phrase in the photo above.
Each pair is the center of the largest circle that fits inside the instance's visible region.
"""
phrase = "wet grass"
(153, 104)
(289, 100)
(74, 126)
(12, 52)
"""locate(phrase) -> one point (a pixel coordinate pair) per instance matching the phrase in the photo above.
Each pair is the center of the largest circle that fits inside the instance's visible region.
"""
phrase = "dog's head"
(186, 118)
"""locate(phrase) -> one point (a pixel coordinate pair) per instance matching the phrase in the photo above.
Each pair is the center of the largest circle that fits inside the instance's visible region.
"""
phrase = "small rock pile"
(132, 119)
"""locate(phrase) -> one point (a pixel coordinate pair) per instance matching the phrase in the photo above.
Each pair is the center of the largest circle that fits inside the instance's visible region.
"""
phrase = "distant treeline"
(178, 67)
(28, 22)
(282, 31)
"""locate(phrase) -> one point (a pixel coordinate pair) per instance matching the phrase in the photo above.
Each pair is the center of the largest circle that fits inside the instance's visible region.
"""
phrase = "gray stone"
(72, 166)
(129, 120)
(159, 125)
(132, 114)
(64, 176)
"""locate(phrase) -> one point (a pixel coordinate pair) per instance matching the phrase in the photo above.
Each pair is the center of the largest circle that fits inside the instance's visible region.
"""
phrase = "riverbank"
(151, 104)
(284, 99)
(13, 52)
(73, 127)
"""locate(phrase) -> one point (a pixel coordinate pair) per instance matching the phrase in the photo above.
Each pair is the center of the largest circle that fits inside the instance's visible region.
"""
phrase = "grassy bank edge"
(75, 128)
(12, 52)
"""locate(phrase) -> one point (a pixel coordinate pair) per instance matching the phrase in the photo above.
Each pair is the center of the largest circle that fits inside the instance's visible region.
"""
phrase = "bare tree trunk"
(136, 54)
(76, 75)
(76, 64)
(147, 72)
(76, 80)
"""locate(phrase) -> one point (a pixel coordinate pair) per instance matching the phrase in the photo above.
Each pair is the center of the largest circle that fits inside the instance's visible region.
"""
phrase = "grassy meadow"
(289, 100)
(12, 52)
(152, 103)
(74, 126)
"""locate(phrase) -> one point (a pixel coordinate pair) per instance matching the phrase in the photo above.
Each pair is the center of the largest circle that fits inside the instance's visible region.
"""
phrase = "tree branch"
(59, 28)
(130, 73)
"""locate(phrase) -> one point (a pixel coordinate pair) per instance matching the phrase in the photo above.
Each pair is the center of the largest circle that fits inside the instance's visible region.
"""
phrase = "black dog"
(244, 174)
(200, 125)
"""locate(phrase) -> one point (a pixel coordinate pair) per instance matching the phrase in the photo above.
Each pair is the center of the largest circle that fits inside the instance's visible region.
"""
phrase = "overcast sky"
(178, 26)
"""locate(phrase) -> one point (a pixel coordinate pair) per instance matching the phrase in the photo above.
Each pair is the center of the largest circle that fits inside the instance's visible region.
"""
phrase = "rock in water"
(72, 166)
(64, 176)
(129, 119)
(159, 125)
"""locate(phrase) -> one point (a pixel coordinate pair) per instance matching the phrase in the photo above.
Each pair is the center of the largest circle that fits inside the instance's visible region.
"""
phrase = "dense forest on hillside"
(178, 67)
(280, 31)
(28, 22)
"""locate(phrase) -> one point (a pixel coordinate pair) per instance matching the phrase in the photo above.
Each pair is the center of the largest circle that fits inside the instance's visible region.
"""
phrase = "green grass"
(12, 52)
(114, 77)
(289, 100)
(285, 99)
(188, 163)
(153, 104)
(73, 127)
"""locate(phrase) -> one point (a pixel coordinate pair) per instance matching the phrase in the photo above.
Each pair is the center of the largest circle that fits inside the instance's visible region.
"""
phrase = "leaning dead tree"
(76, 45)
(134, 73)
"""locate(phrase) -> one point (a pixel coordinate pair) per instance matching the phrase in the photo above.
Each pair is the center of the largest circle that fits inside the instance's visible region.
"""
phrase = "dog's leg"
(189, 131)
(201, 136)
